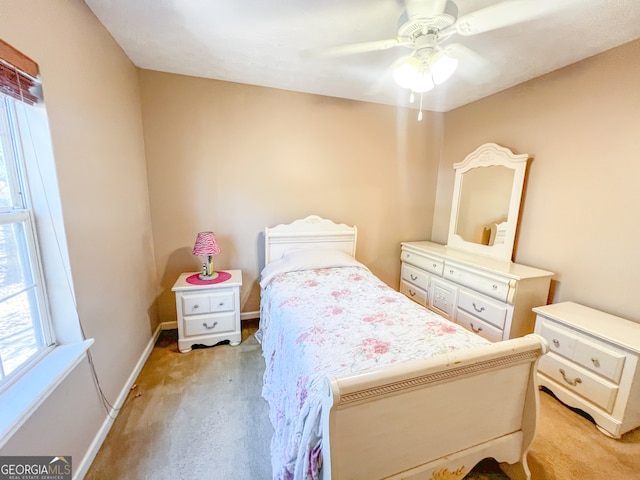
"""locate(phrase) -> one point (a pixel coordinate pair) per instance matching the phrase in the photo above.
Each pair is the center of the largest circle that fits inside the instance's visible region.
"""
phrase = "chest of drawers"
(208, 314)
(592, 364)
(491, 297)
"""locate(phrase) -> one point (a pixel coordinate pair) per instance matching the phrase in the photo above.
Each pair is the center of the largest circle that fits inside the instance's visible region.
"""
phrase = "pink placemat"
(195, 280)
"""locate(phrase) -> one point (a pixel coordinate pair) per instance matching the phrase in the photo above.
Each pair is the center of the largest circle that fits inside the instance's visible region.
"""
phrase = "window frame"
(21, 212)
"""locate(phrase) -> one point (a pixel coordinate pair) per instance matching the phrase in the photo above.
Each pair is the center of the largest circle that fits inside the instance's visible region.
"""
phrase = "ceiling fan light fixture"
(442, 67)
(404, 75)
(414, 75)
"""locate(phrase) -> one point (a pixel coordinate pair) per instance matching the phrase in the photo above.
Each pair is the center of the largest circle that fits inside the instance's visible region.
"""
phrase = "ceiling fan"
(425, 28)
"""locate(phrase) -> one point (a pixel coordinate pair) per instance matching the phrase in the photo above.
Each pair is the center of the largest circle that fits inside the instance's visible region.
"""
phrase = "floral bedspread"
(334, 321)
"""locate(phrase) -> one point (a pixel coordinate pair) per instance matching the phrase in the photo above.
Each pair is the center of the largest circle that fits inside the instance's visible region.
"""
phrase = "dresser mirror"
(486, 201)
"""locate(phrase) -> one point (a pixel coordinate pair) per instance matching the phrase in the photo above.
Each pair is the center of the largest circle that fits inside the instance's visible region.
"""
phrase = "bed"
(363, 383)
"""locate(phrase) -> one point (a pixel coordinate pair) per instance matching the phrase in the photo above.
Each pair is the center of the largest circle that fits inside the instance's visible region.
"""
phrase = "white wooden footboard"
(434, 418)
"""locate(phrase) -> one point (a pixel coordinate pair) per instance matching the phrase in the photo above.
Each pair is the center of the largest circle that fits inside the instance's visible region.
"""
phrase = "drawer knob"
(204, 324)
(475, 330)
(196, 306)
(412, 293)
(596, 362)
(494, 286)
(479, 310)
(435, 265)
(451, 271)
(573, 382)
(221, 304)
(556, 343)
(414, 277)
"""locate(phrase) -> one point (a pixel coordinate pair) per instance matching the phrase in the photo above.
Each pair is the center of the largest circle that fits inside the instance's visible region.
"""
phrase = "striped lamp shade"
(206, 244)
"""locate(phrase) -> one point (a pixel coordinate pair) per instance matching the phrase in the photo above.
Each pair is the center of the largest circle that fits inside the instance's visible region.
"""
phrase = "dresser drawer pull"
(196, 306)
(494, 286)
(479, 310)
(475, 330)
(451, 271)
(556, 343)
(221, 304)
(596, 362)
(412, 293)
(574, 382)
(204, 324)
(435, 265)
(414, 277)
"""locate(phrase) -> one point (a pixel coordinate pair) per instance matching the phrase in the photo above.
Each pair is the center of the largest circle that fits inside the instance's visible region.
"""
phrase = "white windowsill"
(27, 394)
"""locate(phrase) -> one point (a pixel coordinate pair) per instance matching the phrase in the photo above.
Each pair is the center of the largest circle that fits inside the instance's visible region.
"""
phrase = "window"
(41, 339)
(25, 332)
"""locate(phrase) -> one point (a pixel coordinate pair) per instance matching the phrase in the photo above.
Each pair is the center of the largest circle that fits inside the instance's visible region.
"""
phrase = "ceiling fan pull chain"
(420, 113)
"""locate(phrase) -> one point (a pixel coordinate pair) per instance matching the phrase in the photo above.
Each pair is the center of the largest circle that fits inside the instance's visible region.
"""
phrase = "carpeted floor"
(201, 416)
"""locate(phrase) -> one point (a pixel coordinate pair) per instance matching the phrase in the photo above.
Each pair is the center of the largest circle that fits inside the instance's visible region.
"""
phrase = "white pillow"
(308, 259)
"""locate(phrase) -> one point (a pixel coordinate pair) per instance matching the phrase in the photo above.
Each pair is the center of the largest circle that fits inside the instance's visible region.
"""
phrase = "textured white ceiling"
(268, 43)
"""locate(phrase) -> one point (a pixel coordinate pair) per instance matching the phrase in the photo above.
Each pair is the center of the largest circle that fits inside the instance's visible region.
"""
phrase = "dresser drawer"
(415, 276)
(430, 264)
(492, 286)
(484, 329)
(589, 386)
(483, 308)
(208, 324)
(416, 294)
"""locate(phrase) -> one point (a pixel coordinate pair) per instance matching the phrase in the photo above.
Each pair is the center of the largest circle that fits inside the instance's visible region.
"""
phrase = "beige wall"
(580, 219)
(235, 158)
(93, 102)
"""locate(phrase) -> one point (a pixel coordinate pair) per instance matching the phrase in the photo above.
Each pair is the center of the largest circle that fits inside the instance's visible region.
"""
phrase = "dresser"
(491, 297)
(592, 364)
(208, 313)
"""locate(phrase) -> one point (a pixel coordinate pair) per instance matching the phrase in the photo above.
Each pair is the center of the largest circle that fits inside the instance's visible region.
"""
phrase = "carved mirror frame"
(499, 237)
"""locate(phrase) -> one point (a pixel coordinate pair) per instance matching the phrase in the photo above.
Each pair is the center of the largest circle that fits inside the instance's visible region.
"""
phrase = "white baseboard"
(168, 326)
(250, 315)
(92, 451)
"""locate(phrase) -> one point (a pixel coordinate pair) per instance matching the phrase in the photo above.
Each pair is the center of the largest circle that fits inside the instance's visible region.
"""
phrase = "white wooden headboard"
(312, 232)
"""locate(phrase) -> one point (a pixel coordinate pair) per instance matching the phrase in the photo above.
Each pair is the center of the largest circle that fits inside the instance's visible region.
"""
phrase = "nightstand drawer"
(195, 304)
(221, 301)
(208, 324)
(416, 276)
(599, 359)
(198, 304)
(561, 340)
(585, 384)
(483, 308)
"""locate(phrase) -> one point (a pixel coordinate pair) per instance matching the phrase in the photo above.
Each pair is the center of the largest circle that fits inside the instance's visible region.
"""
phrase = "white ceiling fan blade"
(358, 48)
(506, 13)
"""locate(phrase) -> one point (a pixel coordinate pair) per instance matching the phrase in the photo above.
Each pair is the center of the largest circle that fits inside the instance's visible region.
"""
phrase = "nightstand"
(208, 313)
(593, 365)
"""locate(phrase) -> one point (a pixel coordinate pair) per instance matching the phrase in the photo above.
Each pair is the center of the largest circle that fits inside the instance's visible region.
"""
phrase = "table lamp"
(206, 245)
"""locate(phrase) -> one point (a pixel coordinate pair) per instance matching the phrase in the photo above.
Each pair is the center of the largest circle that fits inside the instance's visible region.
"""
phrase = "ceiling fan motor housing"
(411, 27)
